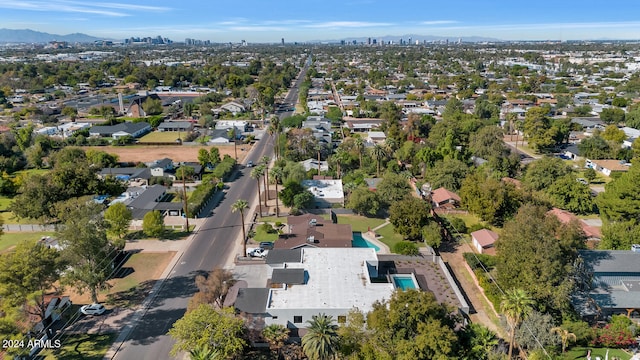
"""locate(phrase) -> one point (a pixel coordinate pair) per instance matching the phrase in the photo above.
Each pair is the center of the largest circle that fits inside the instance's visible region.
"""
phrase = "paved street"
(213, 245)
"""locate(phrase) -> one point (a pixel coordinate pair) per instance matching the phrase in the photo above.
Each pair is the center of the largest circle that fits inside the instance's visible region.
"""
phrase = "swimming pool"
(404, 282)
(360, 242)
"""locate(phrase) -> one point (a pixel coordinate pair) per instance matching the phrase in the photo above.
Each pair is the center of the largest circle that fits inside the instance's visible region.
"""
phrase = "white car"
(257, 252)
(93, 309)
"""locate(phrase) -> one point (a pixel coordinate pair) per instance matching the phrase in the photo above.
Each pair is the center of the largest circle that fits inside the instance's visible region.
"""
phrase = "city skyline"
(260, 21)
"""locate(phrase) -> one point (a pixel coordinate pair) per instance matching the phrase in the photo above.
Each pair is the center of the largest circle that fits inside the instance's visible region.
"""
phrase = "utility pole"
(184, 195)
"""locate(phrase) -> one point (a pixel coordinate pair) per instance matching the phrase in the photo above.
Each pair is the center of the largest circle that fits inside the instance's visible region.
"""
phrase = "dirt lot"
(141, 153)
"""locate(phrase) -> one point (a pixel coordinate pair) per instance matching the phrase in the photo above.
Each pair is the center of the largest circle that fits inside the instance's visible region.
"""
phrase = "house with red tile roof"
(565, 217)
(442, 197)
(483, 240)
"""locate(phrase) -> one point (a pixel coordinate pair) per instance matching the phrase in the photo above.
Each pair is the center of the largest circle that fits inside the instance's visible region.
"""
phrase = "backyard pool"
(360, 242)
(404, 282)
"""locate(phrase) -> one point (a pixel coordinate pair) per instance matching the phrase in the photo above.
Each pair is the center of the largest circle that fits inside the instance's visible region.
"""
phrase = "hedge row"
(200, 196)
(224, 168)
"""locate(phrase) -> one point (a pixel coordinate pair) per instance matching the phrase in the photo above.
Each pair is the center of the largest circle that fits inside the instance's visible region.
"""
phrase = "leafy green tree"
(276, 335)
(515, 306)
(27, 274)
(613, 134)
(24, 136)
(612, 116)
(595, 148)
(203, 157)
(619, 235)
(540, 174)
(334, 114)
(321, 342)
(492, 200)
(364, 201)
(408, 216)
(535, 253)
(85, 246)
(590, 174)
(152, 106)
(101, 159)
(153, 224)
(432, 235)
(36, 197)
(185, 171)
(290, 190)
(241, 206)
(118, 218)
(303, 200)
(411, 325)
(219, 329)
(621, 199)
(448, 174)
(392, 188)
(352, 333)
(569, 194)
(406, 248)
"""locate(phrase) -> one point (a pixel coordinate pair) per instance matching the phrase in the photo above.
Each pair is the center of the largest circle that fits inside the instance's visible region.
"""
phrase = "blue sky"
(301, 20)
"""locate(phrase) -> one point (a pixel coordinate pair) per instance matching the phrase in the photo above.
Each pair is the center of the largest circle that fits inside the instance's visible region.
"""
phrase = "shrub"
(406, 248)
(224, 168)
(457, 224)
(267, 228)
(476, 227)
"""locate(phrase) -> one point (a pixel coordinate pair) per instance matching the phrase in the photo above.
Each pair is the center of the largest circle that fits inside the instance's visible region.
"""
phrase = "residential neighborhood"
(418, 199)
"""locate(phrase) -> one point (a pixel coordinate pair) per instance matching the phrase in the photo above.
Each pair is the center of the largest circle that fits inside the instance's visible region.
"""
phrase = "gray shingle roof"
(288, 276)
(612, 261)
(252, 300)
(279, 256)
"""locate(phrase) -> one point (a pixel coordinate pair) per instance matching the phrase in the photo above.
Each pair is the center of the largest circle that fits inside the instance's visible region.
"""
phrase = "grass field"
(262, 235)
(359, 223)
(82, 347)
(8, 240)
(581, 353)
(389, 237)
(162, 136)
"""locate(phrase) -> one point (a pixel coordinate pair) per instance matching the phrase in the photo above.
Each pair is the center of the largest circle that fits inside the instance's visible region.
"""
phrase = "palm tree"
(276, 176)
(204, 353)
(378, 152)
(275, 334)
(483, 340)
(515, 305)
(321, 340)
(339, 158)
(265, 160)
(240, 206)
(359, 146)
(565, 336)
(256, 174)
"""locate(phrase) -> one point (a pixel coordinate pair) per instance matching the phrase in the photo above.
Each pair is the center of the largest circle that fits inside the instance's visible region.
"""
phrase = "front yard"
(81, 347)
(9, 240)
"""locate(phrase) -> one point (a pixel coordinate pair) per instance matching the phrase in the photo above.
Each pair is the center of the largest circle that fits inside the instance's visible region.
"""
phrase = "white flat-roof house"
(310, 281)
(325, 192)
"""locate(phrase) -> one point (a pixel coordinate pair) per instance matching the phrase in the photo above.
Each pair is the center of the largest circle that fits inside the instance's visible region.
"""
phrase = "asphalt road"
(210, 248)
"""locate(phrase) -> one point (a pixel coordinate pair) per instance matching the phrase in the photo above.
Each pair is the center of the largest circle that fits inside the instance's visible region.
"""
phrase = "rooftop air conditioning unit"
(313, 222)
(311, 239)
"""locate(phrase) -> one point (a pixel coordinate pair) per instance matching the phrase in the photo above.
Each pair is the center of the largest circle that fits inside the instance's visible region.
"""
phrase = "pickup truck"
(257, 252)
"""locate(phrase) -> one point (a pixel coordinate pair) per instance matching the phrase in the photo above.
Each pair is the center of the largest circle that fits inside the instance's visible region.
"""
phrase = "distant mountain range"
(31, 36)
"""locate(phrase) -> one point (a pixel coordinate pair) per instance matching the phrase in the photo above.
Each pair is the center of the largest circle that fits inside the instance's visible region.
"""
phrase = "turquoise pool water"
(359, 242)
(403, 282)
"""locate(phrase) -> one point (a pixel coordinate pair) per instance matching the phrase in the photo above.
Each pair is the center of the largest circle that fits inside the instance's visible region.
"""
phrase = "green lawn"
(162, 136)
(262, 235)
(581, 353)
(82, 347)
(359, 223)
(8, 217)
(8, 240)
(389, 237)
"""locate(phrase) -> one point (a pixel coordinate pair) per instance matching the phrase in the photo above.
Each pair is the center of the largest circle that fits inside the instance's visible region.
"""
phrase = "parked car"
(250, 164)
(266, 245)
(257, 252)
(93, 309)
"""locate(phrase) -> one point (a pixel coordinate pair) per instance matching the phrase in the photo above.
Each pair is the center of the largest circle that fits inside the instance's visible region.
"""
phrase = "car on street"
(93, 309)
(257, 252)
(249, 163)
(266, 245)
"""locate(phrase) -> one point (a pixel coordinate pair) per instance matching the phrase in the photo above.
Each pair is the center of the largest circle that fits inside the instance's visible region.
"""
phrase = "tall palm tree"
(359, 146)
(276, 335)
(265, 160)
(339, 158)
(515, 305)
(483, 341)
(256, 174)
(565, 336)
(240, 206)
(378, 152)
(321, 341)
(276, 176)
